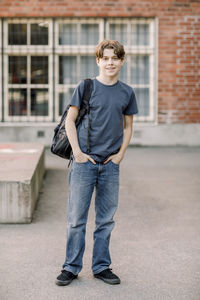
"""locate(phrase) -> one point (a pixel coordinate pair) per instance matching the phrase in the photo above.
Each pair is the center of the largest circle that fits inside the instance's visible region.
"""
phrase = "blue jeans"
(83, 178)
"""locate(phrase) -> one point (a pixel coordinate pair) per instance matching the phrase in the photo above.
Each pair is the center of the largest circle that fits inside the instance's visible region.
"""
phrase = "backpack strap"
(88, 87)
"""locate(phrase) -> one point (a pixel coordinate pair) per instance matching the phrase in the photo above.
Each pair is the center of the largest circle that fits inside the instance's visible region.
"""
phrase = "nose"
(110, 60)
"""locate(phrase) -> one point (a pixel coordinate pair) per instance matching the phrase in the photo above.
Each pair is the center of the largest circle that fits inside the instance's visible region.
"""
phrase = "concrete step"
(21, 173)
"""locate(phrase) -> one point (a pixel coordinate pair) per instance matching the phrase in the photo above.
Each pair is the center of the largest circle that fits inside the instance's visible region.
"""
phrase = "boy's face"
(109, 65)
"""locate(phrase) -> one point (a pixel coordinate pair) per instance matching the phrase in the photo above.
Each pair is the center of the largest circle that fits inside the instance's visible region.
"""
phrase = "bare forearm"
(126, 140)
(72, 136)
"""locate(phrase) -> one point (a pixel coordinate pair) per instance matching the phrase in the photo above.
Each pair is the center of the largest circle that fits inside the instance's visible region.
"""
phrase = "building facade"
(47, 47)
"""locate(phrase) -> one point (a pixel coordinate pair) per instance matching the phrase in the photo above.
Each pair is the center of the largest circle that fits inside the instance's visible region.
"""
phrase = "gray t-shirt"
(108, 104)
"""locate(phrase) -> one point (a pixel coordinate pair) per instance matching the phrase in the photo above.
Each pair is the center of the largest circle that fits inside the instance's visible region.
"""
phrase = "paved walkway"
(155, 245)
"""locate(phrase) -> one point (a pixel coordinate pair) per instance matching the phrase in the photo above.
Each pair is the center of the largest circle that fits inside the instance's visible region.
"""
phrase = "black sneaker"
(65, 278)
(108, 276)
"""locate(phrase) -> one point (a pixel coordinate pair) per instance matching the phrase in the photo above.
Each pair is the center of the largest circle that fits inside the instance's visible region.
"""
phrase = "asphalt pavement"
(155, 245)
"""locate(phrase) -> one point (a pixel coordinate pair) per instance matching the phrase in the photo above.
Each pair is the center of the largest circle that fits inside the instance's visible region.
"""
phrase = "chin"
(111, 73)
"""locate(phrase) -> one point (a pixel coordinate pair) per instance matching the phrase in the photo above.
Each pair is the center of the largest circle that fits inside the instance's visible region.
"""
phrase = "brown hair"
(110, 44)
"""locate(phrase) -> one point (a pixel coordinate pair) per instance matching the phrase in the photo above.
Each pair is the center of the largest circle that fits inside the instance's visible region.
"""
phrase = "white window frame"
(149, 50)
(73, 50)
(76, 50)
(28, 51)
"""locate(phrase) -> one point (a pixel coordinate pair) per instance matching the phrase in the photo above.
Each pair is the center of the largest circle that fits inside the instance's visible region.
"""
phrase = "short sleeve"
(131, 108)
(77, 95)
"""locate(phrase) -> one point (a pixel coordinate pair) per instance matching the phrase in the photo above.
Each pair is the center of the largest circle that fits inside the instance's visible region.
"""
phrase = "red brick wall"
(178, 43)
(179, 69)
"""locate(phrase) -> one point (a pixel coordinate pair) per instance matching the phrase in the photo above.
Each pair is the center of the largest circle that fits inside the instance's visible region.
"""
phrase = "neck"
(107, 80)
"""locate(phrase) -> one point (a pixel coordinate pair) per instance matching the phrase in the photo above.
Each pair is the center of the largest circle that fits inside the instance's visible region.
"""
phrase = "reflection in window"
(17, 69)
(68, 69)
(140, 34)
(39, 69)
(64, 100)
(17, 99)
(88, 67)
(39, 102)
(39, 34)
(142, 96)
(89, 34)
(17, 34)
(119, 32)
(140, 69)
(68, 34)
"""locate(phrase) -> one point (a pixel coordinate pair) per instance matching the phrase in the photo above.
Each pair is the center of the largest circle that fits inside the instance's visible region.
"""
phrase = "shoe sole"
(63, 283)
(109, 281)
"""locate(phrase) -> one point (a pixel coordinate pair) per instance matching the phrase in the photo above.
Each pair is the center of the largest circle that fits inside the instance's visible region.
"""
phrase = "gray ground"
(155, 245)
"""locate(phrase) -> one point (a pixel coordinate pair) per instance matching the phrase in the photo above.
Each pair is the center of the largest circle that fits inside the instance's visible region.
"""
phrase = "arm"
(128, 129)
(71, 131)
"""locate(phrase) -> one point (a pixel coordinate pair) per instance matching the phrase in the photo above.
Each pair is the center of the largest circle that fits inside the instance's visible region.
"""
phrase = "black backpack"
(60, 144)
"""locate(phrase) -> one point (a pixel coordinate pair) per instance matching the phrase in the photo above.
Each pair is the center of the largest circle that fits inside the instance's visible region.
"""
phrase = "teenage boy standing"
(112, 106)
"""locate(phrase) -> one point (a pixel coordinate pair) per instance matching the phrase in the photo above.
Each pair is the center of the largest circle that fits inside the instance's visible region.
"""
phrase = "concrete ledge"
(22, 171)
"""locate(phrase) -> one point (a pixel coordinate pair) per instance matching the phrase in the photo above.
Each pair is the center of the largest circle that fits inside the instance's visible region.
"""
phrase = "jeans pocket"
(114, 163)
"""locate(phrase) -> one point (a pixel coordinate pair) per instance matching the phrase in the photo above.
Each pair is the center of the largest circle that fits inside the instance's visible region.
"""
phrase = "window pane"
(17, 34)
(17, 99)
(123, 72)
(39, 34)
(140, 34)
(142, 96)
(88, 67)
(68, 34)
(39, 69)
(140, 69)
(64, 100)
(89, 34)
(68, 69)
(17, 69)
(39, 102)
(119, 32)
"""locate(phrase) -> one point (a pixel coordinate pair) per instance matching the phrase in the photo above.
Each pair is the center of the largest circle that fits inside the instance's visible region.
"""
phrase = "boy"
(112, 105)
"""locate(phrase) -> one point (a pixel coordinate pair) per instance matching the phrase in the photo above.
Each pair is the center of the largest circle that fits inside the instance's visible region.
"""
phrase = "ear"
(97, 61)
(122, 61)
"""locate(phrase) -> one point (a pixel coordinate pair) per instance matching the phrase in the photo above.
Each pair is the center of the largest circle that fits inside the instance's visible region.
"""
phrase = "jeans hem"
(97, 272)
(66, 269)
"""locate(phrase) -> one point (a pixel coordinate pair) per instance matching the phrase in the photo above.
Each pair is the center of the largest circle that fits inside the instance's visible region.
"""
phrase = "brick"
(178, 40)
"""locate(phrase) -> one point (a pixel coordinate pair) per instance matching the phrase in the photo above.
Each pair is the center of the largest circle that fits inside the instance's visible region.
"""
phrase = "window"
(28, 66)
(75, 60)
(17, 34)
(78, 34)
(45, 60)
(138, 37)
